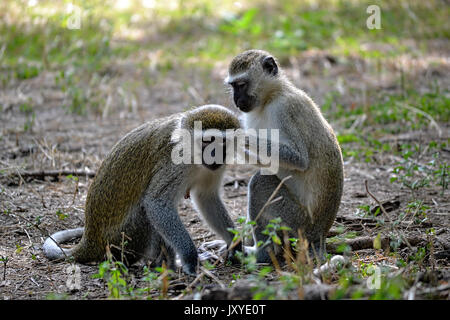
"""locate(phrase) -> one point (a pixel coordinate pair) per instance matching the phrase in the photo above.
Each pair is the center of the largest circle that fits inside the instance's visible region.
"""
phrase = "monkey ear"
(270, 66)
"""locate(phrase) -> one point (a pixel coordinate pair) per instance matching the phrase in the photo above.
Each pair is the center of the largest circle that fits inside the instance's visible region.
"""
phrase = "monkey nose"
(244, 107)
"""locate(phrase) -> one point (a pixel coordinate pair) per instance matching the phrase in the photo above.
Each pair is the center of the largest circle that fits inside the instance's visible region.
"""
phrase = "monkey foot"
(335, 263)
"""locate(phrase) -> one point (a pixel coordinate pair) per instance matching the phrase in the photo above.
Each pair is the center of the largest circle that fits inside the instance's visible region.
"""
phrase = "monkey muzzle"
(245, 103)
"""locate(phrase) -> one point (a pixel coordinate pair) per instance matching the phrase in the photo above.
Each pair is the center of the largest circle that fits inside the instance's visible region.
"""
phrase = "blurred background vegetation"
(205, 31)
(124, 45)
(188, 41)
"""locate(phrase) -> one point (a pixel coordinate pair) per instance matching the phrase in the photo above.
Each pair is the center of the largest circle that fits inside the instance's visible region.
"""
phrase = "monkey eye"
(239, 85)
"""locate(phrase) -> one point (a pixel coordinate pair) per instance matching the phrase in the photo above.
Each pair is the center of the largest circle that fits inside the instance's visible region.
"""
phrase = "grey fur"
(136, 192)
(309, 153)
(51, 249)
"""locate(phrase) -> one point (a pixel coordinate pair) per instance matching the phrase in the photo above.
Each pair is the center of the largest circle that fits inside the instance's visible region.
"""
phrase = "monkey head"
(213, 150)
(207, 126)
(254, 78)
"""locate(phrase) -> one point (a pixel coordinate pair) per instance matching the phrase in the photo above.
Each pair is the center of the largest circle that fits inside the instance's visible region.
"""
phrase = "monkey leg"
(288, 208)
(142, 240)
(165, 220)
(160, 252)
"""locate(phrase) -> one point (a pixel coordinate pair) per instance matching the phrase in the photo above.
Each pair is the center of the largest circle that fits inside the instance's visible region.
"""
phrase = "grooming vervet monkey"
(137, 188)
(308, 152)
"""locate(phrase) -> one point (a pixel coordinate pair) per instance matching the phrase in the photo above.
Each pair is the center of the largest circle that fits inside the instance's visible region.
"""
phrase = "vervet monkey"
(308, 152)
(135, 193)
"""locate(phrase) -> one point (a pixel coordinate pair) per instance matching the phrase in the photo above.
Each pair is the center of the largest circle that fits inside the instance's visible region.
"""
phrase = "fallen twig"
(52, 173)
(428, 116)
(212, 276)
(42, 231)
(361, 243)
(387, 215)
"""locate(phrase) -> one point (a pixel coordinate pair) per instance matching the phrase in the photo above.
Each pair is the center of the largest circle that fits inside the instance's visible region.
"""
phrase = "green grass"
(287, 27)
(389, 114)
(389, 109)
(200, 28)
(50, 43)
(199, 33)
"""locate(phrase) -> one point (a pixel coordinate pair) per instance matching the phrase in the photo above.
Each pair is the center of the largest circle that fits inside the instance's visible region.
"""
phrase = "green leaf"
(343, 248)
(61, 215)
(276, 239)
(377, 242)
(265, 271)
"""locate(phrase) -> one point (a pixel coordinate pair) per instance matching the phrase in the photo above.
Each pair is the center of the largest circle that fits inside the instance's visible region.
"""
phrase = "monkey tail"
(51, 247)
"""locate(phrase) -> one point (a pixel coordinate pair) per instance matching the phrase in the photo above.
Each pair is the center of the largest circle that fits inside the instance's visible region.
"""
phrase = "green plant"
(419, 256)
(26, 71)
(263, 290)
(151, 280)
(29, 123)
(365, 210)
(19, 248)
(5, 260)
(440, 169)
(391, 288)
(114, 274)
(243, 25)
(418, 211)
(72, 177)
(57, 296)
(414, 174)
(242, 233)
(37, 221)
(365, 269)
(346, 278)
(339, 239)
(156, 281)
(61, 215)
(27, 108)
(272, 231)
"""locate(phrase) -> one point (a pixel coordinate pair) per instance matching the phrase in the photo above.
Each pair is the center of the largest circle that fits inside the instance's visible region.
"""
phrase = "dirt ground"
(59, 140)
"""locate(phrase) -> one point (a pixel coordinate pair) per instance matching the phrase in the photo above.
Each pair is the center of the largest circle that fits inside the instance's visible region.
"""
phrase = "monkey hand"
(207, 250)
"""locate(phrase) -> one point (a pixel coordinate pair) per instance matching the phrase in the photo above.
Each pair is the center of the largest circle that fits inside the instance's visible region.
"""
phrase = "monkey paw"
(212, 250)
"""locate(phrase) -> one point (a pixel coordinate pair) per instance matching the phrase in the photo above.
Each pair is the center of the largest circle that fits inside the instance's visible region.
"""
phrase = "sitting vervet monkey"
(308, 152)
(138, 186)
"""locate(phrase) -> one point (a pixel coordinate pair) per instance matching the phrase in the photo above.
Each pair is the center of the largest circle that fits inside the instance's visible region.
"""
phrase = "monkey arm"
(293, 159)
(289, 156)
(293, 151)
(213, 210)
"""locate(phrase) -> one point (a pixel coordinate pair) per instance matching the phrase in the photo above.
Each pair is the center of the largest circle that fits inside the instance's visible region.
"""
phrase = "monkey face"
(212, 167)
(213, 153)
(253, 84)
(243, 100)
